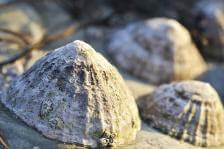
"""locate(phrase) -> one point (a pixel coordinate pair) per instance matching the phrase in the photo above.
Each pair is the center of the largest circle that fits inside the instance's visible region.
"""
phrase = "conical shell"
(189, 110)
(157, 50)
(75, 95)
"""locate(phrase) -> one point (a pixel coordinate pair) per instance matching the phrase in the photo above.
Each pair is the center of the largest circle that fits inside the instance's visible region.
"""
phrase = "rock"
(5, 1)
(33, 57)
(46, 10)
(156, 51)
(10, 72)
(58, 24)
(23, 19)
(208, 20)
(78, 8)
(149, 138)
(179, 10)
(215, 77)
(190, 111)
(93, 34)
(139, 89)
(75, 96)
(97, 37)
(19, 136)
(153, 7)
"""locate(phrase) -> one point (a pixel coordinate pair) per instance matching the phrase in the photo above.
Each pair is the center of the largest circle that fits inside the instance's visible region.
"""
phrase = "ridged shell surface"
(190, 111)
(75, 95)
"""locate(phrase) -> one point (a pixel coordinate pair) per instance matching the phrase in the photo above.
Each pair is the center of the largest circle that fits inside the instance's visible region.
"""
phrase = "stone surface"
(24, 19)
(139, 89)
(209, 16)
(97, 37)
(168, 8)
(149, 138)
(92, 34)
(34, 56)
(19, 18)
(46, 10)
(156, 51)
(74, 95)
(19, 136)
(54, 25)
(190, 111)
(214, 76)
(10, 72)
(78, 8)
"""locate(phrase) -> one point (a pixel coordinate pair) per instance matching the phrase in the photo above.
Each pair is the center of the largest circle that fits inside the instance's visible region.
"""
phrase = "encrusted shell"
(157, 50)
(190, 111)
(75, 95)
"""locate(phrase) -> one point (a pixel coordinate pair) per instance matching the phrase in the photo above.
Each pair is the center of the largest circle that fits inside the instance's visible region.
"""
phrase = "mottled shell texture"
(157, 50)
(75, 95)
(190, 111)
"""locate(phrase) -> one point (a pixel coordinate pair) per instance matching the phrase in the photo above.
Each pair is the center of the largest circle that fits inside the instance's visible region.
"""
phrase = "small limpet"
(190, 111)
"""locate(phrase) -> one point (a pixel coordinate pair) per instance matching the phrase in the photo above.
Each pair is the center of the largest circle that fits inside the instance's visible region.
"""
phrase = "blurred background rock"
(30, 28)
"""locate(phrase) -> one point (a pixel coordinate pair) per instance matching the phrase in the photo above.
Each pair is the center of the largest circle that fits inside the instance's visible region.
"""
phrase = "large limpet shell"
(75, 95)
(157, 50)
(188, 110)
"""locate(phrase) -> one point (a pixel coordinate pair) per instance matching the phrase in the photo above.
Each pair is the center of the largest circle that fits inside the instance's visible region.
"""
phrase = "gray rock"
(156, 51)
(92, 34)
(33, 57)
(149, 138)
(47, 11)
(209, 16)
(5, 1)
(10, 72)
(74, 95)
(20, 18)
(24, 19)
(97, 37)
(63, 21)
(55, 24)
(19, 136)
(176, 9)
(85, 10)
(190, 111)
